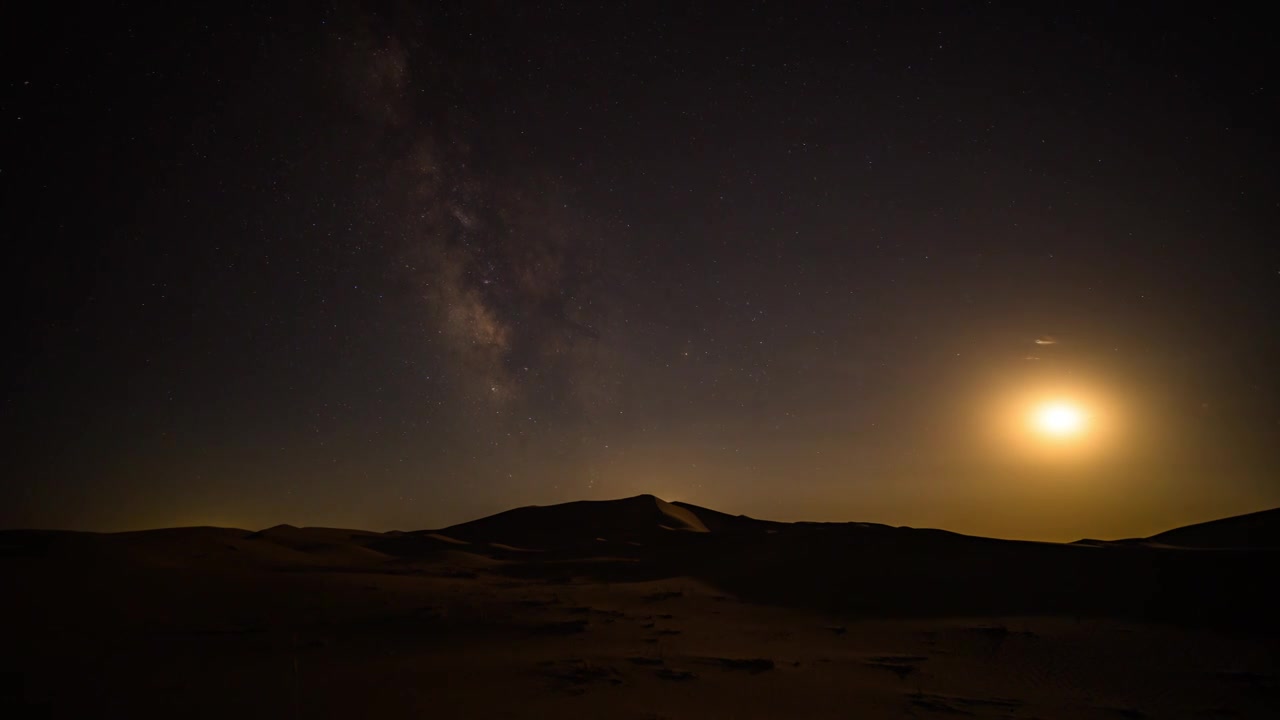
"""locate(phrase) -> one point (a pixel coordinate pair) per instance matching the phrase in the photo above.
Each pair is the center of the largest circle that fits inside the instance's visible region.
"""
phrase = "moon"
(1059, 419)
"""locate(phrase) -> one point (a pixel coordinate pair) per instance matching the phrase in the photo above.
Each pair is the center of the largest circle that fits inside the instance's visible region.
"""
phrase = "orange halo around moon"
(1060, 424)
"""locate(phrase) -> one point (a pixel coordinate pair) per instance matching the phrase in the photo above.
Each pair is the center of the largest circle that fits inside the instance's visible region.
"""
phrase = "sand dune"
(1255, 530)
(639, 608)
(636, 518)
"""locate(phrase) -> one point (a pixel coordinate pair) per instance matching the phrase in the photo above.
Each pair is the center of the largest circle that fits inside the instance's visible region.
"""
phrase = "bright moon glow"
(1059, 419)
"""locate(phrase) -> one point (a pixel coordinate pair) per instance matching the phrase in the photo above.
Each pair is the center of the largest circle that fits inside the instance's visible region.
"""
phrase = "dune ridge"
(637, 608)
(864, 567)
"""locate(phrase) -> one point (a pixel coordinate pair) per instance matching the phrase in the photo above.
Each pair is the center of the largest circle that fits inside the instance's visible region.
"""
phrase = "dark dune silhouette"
(635, 594)
(1255, 530)
(886, 571)
(878, 570)
(633, 518)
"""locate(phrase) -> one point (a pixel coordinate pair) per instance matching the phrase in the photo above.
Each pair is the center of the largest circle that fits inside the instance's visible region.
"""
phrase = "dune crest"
(1255, 530)
(629, 519)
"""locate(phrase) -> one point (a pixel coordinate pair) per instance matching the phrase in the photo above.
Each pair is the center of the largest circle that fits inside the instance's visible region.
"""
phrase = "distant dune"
(639, 608)
(633, 518)
(1202, 574)
(1255, 530)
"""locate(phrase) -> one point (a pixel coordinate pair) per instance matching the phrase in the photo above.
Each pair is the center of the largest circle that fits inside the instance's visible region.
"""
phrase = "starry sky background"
(394, 267)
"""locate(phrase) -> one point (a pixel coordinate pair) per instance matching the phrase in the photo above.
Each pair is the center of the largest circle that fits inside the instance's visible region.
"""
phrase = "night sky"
(395, 266)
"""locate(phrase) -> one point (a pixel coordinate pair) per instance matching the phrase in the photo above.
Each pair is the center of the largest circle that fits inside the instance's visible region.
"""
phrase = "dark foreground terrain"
(639, 608)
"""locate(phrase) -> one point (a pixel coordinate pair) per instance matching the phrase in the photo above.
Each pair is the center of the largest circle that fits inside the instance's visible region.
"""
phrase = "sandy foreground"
(324, 623)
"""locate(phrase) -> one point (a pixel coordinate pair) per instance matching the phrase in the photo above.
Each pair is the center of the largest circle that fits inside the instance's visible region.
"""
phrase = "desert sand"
(639, 608)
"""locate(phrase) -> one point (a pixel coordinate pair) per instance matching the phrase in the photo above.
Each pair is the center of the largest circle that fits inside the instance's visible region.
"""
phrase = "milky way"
(508, 272)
